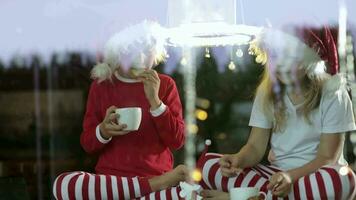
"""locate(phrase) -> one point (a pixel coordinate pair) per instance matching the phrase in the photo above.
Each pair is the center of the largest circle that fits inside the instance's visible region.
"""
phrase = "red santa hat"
(315, 47)
(323, 43)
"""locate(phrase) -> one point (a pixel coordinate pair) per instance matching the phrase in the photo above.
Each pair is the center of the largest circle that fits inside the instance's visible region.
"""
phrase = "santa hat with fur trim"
(125, 48)
(315, 48)
(321, 41)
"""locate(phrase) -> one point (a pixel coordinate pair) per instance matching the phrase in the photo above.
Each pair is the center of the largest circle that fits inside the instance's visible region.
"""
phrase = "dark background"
(42, 107)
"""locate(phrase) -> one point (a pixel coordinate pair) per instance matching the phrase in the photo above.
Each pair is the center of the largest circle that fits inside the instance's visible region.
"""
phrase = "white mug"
(131, 116)
(243, 193)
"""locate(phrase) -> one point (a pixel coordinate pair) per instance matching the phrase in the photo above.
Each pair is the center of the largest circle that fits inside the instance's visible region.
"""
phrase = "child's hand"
(280, 184)
(230, 165)
(151, 83)
(110, 127)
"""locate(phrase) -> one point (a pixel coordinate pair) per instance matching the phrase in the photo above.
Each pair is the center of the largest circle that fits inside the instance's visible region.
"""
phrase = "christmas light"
(207, 53)
(239, 53)
(232, 66)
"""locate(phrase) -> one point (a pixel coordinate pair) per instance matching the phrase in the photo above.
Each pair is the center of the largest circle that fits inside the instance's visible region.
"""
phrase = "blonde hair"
(272, 90)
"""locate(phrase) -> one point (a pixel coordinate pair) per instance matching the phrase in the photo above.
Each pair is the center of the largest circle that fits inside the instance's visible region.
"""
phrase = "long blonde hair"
(277, 44)
(272, 92)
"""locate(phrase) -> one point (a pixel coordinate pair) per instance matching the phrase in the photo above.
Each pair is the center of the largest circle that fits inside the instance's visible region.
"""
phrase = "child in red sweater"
(126, 79)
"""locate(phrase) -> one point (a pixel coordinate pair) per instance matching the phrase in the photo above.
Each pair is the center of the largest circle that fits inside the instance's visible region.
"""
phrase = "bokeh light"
(196, 175)
(200, 114)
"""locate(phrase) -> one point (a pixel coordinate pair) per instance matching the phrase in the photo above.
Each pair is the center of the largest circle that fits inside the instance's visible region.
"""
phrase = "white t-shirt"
(297, 144)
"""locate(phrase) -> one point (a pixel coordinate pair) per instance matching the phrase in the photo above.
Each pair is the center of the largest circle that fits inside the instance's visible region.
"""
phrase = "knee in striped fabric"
(250, 177)
(205, 163)
(167, 194)
(83, 185)
(213, 179)
(326, 183)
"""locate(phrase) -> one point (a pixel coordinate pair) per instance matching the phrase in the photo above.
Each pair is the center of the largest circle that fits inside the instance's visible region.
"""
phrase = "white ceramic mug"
(131, 116)
(243, 193)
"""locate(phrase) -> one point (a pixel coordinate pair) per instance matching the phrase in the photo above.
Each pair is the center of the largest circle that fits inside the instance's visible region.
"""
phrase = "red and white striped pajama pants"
(167, 194)
(85, 186)
(326, 183)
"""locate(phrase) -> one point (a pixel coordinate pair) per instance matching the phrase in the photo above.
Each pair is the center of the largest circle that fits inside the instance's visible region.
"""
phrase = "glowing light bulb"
(183, 61)
(196, 175)
(239, 53)
(232, 66)
(203, 103)
(193, 128)
(207, 53)
(201, 114)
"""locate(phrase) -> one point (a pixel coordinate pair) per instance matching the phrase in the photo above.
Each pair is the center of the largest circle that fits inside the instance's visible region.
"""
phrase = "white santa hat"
(124, 48)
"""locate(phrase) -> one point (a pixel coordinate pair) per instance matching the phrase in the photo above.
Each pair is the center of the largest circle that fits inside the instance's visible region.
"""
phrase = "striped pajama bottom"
(324, 184)
(86, 186)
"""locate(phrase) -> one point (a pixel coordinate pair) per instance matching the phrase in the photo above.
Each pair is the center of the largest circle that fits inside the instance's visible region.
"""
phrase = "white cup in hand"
(244, 193)
(131, 116)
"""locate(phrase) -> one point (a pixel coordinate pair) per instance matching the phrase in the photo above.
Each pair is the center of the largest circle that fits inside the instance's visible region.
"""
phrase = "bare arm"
(249, 155)
(254, 150)
(329, 150)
